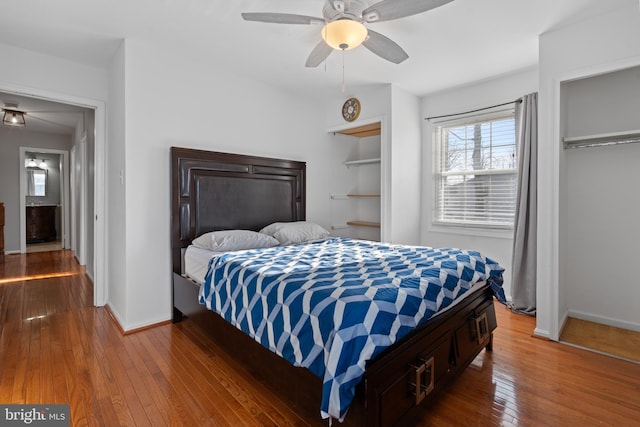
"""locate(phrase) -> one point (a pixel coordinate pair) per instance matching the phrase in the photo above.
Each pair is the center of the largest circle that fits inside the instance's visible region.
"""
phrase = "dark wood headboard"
(220, 191)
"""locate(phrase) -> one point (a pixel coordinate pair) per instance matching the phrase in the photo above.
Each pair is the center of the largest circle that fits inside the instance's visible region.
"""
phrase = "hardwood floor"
(56, 348)
(606, 339)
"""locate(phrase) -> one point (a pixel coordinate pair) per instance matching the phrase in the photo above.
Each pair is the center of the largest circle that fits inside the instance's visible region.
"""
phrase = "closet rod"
(519, 100)
(600, 144)
(614, 138)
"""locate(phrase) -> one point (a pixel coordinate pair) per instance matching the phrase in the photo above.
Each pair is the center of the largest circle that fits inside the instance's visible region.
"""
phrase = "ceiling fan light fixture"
(13, 118)
(344, 34)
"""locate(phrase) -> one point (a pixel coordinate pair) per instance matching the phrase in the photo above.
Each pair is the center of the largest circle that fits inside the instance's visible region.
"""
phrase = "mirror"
(36, 182)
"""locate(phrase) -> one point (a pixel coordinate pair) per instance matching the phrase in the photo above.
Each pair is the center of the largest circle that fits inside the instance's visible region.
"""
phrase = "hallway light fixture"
(43, 164)
(13, 118)
(32, 164)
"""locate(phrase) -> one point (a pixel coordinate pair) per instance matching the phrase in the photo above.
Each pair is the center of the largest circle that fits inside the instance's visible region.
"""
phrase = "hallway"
(35, 285)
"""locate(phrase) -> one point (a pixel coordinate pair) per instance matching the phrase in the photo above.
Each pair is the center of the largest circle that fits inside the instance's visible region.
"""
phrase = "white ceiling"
(457, 44)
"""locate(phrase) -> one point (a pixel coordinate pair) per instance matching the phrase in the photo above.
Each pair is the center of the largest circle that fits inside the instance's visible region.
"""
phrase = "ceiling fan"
(343, 25)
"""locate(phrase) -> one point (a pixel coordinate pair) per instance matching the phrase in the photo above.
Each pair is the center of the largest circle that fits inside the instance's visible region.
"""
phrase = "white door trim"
(99, 237)
(65, 201)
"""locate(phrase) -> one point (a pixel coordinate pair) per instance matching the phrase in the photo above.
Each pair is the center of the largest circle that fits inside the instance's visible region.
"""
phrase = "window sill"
(497, 233)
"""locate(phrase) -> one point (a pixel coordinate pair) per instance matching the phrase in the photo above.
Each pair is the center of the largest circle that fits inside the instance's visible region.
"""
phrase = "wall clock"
(351, 109)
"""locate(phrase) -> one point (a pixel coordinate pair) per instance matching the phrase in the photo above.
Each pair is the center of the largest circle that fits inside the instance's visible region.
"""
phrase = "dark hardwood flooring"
(55, 347)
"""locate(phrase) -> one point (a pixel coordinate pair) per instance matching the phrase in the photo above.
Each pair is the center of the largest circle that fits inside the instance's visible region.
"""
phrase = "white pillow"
(234, 240)
(291, 233)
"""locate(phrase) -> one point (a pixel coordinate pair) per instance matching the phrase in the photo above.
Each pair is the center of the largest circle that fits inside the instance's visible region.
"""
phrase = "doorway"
(88, 128)
(44, 190)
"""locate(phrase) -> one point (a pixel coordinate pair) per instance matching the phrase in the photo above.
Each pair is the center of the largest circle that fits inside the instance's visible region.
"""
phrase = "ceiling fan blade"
(318, 54)
(385, 48)
(387, 10)
(282, 18)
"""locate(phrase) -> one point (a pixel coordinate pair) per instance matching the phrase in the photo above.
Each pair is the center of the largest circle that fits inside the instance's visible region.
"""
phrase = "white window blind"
(476, 172)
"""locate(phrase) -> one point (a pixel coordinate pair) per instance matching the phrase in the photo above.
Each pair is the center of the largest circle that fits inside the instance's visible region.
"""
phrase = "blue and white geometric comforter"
(333, 304)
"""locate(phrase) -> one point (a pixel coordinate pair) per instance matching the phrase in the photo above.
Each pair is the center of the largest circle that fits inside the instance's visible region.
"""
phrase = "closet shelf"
(364, 196)
(362, 162)
(354, 196)
(363, 224)
(612, 138)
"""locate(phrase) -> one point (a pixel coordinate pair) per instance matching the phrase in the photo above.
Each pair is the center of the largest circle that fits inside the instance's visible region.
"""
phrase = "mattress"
(196, 262)
(196, 265)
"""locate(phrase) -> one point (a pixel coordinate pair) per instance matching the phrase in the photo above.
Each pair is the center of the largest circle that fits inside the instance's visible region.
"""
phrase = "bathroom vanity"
(41, 223)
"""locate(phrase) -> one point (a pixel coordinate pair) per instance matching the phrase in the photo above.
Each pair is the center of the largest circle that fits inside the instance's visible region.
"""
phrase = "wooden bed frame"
(217, 191)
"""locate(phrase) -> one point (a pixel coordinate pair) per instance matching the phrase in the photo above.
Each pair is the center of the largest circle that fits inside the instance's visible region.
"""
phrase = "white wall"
(116, 223)
(601, 44)
(10, 169)
(497, 245)
(25, 72)
(406, 151)
(224, 113)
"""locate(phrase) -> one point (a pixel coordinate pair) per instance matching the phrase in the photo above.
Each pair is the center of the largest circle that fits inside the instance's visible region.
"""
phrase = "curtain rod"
(519, 100)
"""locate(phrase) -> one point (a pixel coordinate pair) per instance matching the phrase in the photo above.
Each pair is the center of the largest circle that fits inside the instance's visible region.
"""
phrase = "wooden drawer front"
(397, 394)
(475, 333)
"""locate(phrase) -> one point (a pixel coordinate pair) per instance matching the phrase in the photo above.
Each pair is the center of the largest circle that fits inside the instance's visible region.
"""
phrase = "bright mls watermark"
(36, 415)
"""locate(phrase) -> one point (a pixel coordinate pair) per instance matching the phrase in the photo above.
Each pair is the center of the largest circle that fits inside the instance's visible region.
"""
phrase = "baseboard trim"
(623, 324)
(132, 331)
(114, 318)
(542, 334)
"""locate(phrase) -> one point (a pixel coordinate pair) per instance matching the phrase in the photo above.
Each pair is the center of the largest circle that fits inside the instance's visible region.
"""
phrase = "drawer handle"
(424, 371)
(482, 328)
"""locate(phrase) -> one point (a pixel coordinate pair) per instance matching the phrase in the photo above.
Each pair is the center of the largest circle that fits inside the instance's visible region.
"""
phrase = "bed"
(220, 191)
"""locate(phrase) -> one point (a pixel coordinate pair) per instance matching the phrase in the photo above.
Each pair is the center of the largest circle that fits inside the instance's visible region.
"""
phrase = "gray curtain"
(523, 278)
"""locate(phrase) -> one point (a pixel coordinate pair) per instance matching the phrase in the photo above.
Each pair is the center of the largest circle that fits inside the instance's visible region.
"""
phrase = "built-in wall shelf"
(363, 224)
(596, 140)
(354, 196)
(372, 129)
(356, 177)
(362, 162)
(339, 227)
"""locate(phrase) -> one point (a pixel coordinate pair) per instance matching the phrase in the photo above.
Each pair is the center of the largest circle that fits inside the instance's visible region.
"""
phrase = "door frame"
(65, 200)
(99, 230)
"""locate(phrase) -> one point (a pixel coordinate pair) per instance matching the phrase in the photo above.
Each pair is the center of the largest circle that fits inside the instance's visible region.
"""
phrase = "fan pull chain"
(343, 84)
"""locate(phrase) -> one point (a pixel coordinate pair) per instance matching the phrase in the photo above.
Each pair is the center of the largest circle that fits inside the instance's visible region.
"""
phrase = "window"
(476, 172)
